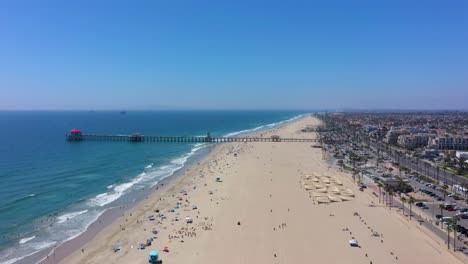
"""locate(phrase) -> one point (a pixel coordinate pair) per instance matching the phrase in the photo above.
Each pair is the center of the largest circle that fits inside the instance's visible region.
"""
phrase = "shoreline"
(272, 191)
(108, 217)
(111, 214)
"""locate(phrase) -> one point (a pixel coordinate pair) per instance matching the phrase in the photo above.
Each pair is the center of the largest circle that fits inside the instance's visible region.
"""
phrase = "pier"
(76, 135)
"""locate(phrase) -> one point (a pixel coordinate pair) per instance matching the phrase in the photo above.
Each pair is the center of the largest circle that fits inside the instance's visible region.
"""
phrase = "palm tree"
(403, 201)
(380, 189)
(445, 187)
(417, 165)
(390, 196)
(386, 193)
(410, 202)
(455, 219)
(354, 175)
(442, 207)
(461, 166)
(449, 229)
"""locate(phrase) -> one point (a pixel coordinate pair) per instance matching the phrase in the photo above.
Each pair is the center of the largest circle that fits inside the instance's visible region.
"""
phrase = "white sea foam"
(75, 233)
(236, 133)
(41, 245)
(11, 261)
(26, 239)
(82, 219)
(33, 248)
(65, 217)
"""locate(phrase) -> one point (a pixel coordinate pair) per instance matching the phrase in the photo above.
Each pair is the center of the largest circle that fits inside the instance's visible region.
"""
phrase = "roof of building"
(75, 130)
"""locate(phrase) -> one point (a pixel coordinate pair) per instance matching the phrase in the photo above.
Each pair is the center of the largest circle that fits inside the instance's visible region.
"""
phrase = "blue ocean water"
(51, 189)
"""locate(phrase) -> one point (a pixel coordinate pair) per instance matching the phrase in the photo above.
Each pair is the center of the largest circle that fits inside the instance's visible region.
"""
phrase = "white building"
(414, 141)
(393, 134)
(449, 142)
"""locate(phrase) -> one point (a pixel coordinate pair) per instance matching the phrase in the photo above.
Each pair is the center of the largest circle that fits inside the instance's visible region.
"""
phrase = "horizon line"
(241, 109)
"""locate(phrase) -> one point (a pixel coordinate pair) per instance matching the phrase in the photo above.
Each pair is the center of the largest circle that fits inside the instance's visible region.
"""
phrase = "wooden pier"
(76, 135)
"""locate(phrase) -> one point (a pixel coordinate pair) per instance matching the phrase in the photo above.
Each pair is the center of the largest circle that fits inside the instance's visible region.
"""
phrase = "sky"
(233, 54)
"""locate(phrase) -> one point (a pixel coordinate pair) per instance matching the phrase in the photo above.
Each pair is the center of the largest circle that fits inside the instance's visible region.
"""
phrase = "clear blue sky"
(233, 55)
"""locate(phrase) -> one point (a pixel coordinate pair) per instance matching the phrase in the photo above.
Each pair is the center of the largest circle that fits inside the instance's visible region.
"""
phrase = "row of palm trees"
(388, 194)
(410, 200)
(451, 226)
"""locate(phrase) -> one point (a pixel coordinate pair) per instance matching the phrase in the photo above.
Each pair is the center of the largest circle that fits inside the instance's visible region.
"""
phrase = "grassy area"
(451, 170)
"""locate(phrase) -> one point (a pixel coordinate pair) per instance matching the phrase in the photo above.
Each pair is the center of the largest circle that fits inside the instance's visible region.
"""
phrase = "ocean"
(52, 190)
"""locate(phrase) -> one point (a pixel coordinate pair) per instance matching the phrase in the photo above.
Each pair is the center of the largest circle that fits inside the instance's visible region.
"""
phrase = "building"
(414, 141)
(379, 133)
(392, 136)
(430, 153)
(75, 135)
(449, 142)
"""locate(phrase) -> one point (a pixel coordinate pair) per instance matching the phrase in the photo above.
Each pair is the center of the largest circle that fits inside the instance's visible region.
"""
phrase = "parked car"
(463, 216)
(446, 219)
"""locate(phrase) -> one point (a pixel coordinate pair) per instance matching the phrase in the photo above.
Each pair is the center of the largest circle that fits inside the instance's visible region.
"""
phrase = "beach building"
(393, 134)
(449, 142)
(414, 141)
(75, 135)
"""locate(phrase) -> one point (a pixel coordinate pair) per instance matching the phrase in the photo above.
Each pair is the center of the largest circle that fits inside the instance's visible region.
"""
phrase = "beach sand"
(275, 203)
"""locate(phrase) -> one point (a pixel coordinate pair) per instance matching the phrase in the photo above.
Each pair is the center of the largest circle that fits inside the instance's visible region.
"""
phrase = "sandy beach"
(274, 202)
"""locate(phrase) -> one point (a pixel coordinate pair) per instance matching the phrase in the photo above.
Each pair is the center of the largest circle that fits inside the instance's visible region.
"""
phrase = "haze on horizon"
(239, 55)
